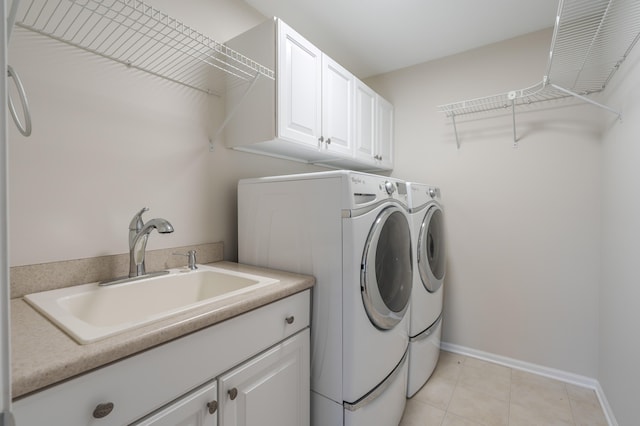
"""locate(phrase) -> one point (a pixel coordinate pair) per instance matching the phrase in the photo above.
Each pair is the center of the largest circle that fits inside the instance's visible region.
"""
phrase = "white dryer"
(429, 266)
(351, 231)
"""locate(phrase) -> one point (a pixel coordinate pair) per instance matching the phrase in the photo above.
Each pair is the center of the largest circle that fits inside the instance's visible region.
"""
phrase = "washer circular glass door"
(430, 250)
(386, 271)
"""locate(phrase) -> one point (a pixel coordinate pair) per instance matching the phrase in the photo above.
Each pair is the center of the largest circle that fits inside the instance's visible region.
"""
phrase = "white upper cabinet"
(308, 114)
(365, 122)
(384, 135)
(315, 96)
(337, 107)
(299, 89)
(373, 128)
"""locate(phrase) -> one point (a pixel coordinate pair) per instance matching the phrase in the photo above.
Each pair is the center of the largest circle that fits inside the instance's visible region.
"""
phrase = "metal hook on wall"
(455, 129)
(25, 128)
(512, 96)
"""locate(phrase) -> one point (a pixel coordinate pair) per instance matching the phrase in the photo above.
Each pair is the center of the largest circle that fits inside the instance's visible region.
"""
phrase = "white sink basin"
(90, 312)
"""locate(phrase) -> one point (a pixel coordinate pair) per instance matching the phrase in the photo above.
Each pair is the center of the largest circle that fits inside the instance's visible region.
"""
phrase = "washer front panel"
(431, 249)
(387, 269)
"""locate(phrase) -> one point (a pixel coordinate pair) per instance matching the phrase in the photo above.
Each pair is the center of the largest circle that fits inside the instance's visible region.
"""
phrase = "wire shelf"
(137, 35)
(591, 39)
(531, 95)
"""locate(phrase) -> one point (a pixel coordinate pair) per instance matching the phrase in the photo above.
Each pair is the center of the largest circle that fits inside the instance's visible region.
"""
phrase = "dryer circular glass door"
(430, 250)
(386, 271)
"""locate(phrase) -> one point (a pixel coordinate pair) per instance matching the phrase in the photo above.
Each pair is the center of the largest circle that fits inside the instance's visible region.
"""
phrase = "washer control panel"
(370, 189)
(389, 187)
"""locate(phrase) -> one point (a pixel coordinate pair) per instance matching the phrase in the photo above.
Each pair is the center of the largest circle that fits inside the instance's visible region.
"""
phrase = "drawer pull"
(289, 319)
(212, 406)
(103, 410)
(233, 393)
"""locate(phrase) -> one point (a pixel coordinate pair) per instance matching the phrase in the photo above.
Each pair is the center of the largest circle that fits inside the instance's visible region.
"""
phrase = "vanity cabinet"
(272, 389)
(307, 114)
(268, 390)
(186, 381)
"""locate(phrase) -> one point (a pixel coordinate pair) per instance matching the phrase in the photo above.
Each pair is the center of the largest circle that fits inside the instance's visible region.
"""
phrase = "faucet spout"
(138, 236)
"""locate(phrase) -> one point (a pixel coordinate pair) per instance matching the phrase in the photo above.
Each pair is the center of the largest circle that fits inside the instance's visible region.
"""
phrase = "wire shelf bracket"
(232, 113)
(591, 39)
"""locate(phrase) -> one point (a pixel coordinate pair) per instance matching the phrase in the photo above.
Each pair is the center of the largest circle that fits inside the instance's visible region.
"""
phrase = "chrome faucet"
(138, 235)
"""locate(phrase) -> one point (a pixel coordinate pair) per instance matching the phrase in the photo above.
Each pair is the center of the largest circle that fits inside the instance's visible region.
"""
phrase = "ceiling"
(371, 37)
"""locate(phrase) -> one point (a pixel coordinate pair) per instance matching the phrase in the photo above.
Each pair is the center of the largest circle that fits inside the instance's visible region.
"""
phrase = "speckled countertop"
(43, 355)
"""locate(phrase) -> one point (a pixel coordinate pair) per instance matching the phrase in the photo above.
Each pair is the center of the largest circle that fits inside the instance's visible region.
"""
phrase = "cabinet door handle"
(233, 393)
(328, 141)
(289, 319)
(102, 410)
(212, 406)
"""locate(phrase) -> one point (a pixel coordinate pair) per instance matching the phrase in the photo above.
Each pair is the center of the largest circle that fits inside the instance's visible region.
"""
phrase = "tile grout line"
(573, 417)
(510, 387)
(458, 379)
(455, 386)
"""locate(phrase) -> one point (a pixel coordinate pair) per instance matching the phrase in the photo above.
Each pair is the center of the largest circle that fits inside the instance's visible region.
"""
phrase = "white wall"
(619, 374)
(108, 140)
(522, 223)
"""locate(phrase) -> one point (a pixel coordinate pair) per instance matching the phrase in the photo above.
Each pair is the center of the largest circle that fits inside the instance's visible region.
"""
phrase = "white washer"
(351, 231)
(429, 266)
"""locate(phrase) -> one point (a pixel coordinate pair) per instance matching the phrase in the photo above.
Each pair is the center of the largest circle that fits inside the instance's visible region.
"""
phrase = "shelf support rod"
(455, 129)
(591, 101)
(513, 115)
(233, 111)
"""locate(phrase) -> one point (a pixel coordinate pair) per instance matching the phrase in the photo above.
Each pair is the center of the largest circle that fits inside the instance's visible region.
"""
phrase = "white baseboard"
(552, 373)
(608, 411)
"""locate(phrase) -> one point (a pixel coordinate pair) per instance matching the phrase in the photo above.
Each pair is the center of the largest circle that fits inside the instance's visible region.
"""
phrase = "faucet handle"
(137, 223)
(191, 254)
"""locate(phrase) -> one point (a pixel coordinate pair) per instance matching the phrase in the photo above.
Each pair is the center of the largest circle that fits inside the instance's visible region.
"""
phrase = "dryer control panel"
(421, 194)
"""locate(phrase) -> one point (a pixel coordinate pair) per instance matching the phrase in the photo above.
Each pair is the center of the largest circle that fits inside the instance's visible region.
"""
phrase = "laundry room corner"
(618, 371)
(523, 218)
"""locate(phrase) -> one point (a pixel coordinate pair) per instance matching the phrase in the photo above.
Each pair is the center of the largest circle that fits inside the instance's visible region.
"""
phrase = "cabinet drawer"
(130, 389)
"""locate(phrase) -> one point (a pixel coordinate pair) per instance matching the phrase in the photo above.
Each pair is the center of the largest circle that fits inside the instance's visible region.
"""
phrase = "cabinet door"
(299, 88)
(337, 107)
(384, 134)
(272, 389)
(198, 408)
(365, 122)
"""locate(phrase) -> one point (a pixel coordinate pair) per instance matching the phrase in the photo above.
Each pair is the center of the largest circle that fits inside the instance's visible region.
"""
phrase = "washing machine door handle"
(386, 272)
(430, 250)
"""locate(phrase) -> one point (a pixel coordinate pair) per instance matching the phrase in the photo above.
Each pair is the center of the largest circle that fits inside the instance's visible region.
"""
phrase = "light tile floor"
(465, 391)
